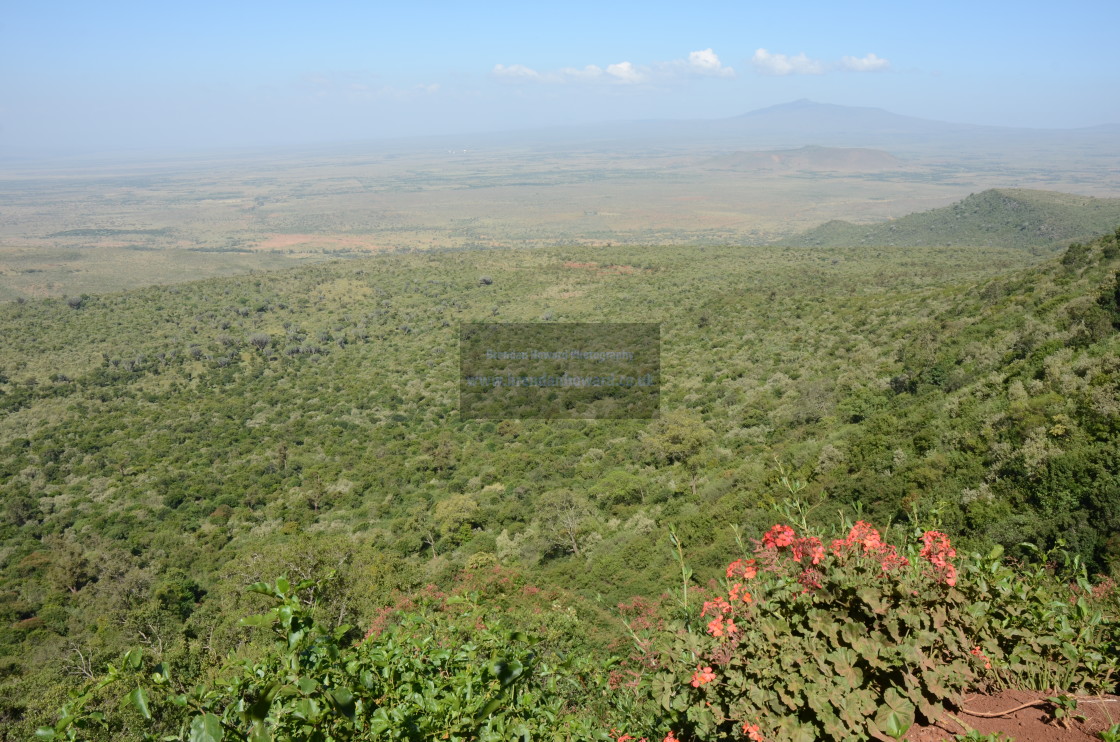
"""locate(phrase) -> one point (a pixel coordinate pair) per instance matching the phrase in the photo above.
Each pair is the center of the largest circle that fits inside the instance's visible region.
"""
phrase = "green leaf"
(206, 728)
(260, 707)
(896, 716)
(282, 585)
(44, 733)
(139, 698)
(892, 724)
(260, 733)
(494, 705)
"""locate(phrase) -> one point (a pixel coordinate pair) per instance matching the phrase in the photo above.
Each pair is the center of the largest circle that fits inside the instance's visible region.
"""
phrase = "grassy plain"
(90, 226)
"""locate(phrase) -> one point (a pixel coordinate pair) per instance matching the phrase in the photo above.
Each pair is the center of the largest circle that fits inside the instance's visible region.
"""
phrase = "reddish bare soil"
(1031, 724)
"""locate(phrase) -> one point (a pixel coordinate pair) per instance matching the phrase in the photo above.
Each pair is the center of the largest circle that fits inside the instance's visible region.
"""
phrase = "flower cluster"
(781, 536)
(979, 653)
(938, 551)
(743, 570)
(752, 732)
(865, 537)
(778, 537)
(806, 551)
(702, 675)
(720, 626)
(810, 548)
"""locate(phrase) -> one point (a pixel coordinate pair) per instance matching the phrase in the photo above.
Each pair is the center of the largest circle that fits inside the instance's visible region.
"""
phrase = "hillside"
(162, 449)
(810, 158)
(1004, 217)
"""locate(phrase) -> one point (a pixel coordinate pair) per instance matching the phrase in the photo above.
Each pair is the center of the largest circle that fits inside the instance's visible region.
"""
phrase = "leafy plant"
(1112, 734)
(853, 640)
(427, 676)
(974, 736)
(1065, 708)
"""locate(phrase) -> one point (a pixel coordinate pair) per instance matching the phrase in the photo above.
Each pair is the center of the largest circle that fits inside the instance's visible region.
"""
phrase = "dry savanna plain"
(91, 226)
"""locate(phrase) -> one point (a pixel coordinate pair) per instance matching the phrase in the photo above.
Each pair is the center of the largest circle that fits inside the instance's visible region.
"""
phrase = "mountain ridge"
(998, 217)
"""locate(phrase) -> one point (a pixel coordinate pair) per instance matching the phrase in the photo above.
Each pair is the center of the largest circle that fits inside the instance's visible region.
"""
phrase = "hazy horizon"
(132, 76)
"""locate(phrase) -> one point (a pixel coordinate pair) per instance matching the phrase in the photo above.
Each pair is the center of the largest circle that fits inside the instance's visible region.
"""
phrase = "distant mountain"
(1003, 217)
(811, 158)
(799, 123)
(809, 117)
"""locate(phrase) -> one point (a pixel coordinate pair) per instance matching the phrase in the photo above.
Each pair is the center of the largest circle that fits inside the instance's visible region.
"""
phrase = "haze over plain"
(127, 75)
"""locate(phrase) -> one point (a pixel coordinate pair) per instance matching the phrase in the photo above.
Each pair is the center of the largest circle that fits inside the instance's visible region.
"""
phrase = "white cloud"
(783, 64)
(516, 71)
(870, 63)
(625, 72)
(704, 63)
(590, 72)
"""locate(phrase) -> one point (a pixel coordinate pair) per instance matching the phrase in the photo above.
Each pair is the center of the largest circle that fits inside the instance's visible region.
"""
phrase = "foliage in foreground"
(443, 670)
(858, 638)
(852, 640)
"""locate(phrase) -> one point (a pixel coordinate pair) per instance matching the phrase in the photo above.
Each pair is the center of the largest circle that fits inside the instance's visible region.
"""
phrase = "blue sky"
(105, 75)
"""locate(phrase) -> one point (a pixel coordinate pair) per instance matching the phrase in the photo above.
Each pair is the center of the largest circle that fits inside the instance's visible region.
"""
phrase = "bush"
(440, 671)
(859, 638)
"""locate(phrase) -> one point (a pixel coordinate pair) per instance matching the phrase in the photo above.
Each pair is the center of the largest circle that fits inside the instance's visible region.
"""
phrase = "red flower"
(717, 607)
(715, 627)
(808, 547)
(670, 737)
(864, 534)
(752, 732)
(744, 569)
(778, 537)
(938, 551)
(737, 593)
(702, 675)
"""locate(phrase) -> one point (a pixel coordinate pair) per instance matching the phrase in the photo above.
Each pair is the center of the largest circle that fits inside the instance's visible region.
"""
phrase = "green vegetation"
(1004, 217)
(854, 641)
(164, 449)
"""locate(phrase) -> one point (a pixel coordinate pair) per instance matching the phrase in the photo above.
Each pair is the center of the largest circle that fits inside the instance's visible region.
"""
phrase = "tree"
(677, 438)
(455, 517)
(70, 569)
(565, 518)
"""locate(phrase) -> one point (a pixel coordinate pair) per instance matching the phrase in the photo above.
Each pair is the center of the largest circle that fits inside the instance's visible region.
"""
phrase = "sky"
(100, 76)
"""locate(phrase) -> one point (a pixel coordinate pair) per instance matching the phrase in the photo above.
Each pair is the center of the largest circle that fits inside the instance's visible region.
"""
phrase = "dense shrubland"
(163, 449)
(803, 639)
